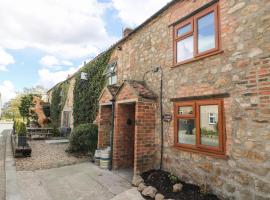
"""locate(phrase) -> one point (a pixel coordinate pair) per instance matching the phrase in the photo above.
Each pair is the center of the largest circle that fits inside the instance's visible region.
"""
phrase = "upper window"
(110, 72)
(197, 36)
(199, 126)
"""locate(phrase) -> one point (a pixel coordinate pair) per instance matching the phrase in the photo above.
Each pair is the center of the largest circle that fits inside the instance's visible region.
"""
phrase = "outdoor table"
(39, 132)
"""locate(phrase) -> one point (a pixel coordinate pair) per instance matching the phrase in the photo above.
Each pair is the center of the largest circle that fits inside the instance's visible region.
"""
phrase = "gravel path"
(3, 139)
(46, 156)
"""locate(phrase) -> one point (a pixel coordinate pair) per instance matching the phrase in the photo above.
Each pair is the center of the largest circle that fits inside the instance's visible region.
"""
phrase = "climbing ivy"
(59, 96)
(86, 92)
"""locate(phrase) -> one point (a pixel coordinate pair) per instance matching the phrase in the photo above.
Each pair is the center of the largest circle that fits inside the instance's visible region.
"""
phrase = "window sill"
(197, 58)
(219, 155)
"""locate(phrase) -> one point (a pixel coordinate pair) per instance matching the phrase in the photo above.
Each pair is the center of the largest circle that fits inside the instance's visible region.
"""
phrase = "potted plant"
(22, 133)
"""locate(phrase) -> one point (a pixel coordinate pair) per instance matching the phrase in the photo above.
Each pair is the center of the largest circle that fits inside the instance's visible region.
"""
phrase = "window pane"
(183, 30)
(206, 32)
(186, 131)
(209, 125)
(114, 79)
(185, 110)
(185, 49)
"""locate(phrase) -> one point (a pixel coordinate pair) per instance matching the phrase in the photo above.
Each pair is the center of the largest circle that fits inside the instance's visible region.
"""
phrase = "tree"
(24, 108)
(38, 90)
(11, 108)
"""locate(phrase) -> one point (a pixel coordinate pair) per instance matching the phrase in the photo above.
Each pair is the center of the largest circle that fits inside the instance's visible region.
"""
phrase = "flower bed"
(159, 185)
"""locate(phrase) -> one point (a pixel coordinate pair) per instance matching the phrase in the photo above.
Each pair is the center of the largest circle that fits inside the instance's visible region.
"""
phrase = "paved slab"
(3, 136)
(5, 126)
(81, 182)
(57, 141)
(12, 191)
(131, 194)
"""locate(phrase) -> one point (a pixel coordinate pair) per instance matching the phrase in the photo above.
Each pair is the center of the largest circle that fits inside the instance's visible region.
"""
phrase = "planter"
(22, 141)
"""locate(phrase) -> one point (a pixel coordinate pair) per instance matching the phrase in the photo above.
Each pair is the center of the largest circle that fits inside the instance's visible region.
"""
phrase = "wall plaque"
(167, 117)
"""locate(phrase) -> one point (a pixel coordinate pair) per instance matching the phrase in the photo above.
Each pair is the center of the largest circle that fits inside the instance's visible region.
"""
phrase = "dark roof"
(141, 89)
(113, 89)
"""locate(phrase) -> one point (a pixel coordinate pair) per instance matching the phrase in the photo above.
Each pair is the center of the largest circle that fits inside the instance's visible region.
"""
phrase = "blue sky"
(42, 41)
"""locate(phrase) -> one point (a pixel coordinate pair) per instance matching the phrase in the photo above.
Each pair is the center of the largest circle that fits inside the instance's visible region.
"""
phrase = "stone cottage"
(66, 118)
(189, 90)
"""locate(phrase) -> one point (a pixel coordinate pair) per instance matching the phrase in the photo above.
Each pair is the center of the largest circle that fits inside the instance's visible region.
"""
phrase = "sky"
(43, 41)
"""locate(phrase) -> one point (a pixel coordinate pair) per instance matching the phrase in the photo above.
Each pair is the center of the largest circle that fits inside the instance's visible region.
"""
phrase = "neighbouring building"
(213, 57)
(66, 116)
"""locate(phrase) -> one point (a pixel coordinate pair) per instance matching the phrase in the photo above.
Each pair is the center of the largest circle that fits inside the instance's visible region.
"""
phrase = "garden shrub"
(83, 138)
(20, 128)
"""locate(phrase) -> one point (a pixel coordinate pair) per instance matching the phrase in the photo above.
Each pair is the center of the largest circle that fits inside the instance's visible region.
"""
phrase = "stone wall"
(240, 69)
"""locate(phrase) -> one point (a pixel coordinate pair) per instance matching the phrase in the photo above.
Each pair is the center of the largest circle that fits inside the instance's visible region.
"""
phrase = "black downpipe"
(161, 118)
(112, 133)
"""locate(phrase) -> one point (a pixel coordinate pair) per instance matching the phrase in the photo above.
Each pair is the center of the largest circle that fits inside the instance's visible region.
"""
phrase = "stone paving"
(83, 181)
(3, 139)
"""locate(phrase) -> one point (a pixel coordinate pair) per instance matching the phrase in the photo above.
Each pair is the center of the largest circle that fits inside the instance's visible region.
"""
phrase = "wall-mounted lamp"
(84, 76)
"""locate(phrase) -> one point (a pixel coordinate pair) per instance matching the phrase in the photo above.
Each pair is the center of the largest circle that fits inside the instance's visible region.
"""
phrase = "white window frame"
(212, 116)
(110, 73)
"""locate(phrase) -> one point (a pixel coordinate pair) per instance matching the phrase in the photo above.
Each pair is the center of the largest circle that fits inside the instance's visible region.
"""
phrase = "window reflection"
(185, 110)
(209, 125)
(186, 131)
(185, 49)
(206, 32)
(183, 30)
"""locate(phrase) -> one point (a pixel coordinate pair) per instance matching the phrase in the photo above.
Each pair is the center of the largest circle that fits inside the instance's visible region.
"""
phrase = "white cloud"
(63, 28)
(7, 90)
(3, 68)
(67, 63)
(52, 62)
(133, 13)
(49, 61)
(5, 59)
(48, 78)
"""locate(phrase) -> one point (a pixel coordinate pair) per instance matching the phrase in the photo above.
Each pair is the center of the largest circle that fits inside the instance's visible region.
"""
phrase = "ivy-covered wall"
(59, 95)
(86, 92)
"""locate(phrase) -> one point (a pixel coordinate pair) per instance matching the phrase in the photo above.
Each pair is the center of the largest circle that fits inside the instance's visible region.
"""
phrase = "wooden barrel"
(97, 157)
(105, 158)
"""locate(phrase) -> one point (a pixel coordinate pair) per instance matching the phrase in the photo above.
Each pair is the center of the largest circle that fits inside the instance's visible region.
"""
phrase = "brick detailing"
(123, 154)
(126, 93)
(256, 90)
(145, 136)
(105, 96)
(104, 126)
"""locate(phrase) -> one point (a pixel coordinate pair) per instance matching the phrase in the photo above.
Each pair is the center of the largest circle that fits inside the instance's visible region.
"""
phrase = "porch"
(130, 113)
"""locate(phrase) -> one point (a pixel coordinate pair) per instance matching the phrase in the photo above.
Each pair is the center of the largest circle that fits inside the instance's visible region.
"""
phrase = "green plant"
(207, 132)
(174, 179)
(86, 92)
(83, 138)
(59, 95)
(20, 129)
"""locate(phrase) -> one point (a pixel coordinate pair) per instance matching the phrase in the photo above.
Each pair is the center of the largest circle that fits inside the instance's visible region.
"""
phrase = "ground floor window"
(66, 118)
(199, 126)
